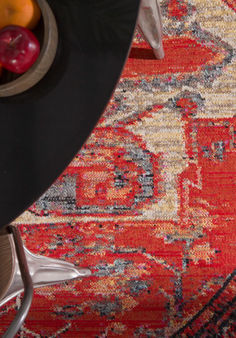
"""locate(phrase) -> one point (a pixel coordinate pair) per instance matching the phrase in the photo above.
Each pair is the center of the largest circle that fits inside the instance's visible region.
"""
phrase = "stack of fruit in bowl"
(21, 33)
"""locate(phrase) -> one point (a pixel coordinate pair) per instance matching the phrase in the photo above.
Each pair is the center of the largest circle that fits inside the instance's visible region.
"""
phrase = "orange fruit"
(24, 13)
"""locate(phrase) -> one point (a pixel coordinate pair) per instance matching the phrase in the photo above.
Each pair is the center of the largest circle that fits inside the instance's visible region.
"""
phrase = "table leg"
(149, 24)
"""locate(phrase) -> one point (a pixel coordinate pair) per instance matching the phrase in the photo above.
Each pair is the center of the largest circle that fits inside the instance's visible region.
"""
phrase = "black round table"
(42, 129)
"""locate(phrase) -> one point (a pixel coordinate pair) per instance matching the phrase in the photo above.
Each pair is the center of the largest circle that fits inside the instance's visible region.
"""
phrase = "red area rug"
(149, 202)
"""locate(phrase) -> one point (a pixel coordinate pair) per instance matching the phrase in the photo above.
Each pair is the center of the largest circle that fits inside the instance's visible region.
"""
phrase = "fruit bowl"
(47, 34)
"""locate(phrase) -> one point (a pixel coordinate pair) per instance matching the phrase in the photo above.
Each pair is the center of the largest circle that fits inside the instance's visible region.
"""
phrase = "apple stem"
(15, 40)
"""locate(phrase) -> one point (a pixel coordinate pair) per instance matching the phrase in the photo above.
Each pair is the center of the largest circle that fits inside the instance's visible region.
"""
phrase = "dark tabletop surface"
(42, 129)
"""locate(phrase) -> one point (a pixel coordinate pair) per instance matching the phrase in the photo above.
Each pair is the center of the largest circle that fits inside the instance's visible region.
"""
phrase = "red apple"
(19, 48)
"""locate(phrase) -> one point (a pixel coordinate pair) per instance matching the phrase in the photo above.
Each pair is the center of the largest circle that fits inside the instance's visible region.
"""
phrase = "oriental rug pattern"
(149, 202)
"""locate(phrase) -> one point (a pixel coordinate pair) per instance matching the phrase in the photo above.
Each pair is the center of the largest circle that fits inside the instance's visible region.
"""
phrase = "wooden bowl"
(45, 58)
